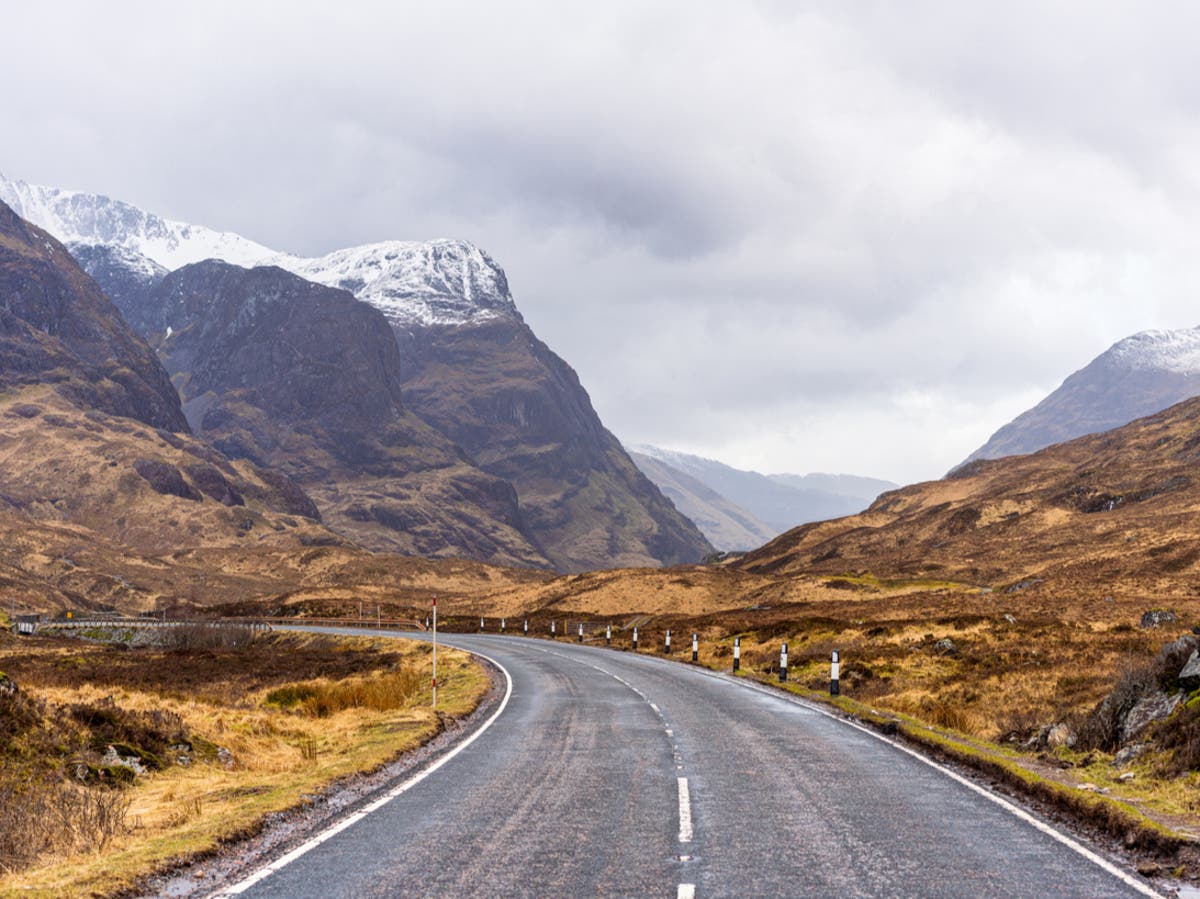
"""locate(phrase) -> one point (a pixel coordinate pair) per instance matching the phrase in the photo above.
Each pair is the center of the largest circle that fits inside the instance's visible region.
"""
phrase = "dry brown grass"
(251, 756)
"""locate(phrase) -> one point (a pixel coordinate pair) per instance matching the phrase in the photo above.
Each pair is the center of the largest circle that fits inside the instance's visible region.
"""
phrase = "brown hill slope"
(57, 326)
(1111, 512)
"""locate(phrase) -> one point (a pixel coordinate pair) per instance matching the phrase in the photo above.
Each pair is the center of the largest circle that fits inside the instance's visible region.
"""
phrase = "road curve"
(610, 774)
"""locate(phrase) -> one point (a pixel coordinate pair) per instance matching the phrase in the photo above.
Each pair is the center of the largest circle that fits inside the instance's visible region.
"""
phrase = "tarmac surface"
(613, 774)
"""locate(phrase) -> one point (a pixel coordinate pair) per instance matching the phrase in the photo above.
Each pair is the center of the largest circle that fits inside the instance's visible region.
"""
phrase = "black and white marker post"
(783, 664)
(581, 632)
(667, 647)
(525, 627)
(481, 624)
(608, 635)
(695, 648)
(435, 652)
(635, 638)
(501, 625)
(834, 670)
(552, 634)
(737, 653)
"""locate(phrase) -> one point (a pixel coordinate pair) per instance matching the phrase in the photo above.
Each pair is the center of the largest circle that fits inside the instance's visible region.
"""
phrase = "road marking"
(332, 831)
(1009, 807)
(686, 891)
(685, 812)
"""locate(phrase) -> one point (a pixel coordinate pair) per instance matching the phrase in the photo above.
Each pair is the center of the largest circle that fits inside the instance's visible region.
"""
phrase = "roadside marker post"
(737, 653)
(695, 648)
(435, 652)
(552, 633)
(501, 625)
(525, 627)
(835, 666)
(783, 664)
(581, 632)
(635, 638)
(608, 636)
(667, 647)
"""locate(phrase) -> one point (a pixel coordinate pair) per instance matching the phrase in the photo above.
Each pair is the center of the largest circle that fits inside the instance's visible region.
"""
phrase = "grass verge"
(241, 753)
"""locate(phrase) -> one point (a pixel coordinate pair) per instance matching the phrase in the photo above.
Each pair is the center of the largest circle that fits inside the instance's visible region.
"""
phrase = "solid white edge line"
(1012, 809)
(686, 891)
(685, 812)
(1009, 807)
(332, 831)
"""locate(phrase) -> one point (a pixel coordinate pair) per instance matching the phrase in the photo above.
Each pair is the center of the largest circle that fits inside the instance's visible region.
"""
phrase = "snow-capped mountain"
(542, 479)
(1135, 377)
(411, 282)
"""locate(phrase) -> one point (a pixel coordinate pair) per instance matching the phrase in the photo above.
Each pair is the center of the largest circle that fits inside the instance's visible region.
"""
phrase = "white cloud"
(852, 237)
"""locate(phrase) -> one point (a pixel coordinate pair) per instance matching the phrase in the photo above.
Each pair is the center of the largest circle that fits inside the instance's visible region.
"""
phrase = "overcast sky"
(853, 237)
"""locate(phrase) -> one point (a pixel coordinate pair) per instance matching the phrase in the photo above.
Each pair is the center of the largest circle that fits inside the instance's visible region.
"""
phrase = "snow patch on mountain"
(1174, 351)
(438, 282)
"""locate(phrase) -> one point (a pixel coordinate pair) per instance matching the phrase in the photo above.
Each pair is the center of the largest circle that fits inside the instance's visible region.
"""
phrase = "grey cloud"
(792, 235)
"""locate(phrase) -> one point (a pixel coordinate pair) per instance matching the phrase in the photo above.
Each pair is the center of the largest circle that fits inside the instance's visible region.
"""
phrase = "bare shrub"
(39, 816)
(208, 636)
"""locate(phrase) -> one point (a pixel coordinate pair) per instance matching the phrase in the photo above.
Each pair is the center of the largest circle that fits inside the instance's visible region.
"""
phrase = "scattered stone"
(1148, 869)
(1127, 776)
(112, 758)
(945, 647)
(1129, 753)
(1189, 675)
(1154, 707)
(1092, 788)
(225, 757)
(1157, 618)
(1060, 735)
(1109, 599)
(1010, 619)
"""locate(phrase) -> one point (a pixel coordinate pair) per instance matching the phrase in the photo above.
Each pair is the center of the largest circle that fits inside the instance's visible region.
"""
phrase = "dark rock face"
(306, 379)
(57, 326)
(126, 276)
(522, 415)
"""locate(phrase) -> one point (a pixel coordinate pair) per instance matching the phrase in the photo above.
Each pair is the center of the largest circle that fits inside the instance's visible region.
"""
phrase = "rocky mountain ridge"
(471, 368)
(1135, 377)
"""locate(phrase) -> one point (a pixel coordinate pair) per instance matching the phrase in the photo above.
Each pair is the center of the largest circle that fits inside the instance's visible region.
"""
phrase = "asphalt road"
(585, 783)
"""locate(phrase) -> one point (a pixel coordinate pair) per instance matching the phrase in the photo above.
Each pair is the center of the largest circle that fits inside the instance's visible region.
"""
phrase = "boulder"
(1060, 735)
(1157, 618)
(1189, 675)
(1130, 753)
(945, 647)
(1154, 707)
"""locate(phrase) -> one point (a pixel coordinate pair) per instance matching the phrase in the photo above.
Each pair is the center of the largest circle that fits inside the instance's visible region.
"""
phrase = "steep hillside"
(1137, 376)
(522, 415)
(779, 501)
(727, 525)
(1111, 513)
(306, 379)
(471, 367)
(56, 326)
(91, 430)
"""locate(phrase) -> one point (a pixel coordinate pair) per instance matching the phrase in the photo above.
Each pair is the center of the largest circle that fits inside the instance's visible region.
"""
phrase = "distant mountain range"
(1135, 377)
(741, 510)
(460, 435)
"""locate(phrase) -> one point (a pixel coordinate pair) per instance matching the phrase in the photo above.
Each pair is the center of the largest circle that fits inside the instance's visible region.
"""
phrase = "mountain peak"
(436, 282)
(1137, 376)
(433, 282)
